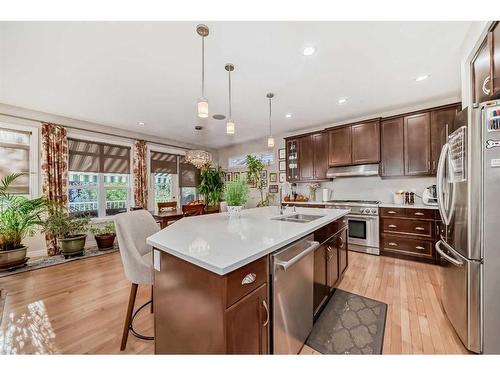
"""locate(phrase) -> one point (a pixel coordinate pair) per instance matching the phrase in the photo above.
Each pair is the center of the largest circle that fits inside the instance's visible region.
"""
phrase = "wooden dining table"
(165, 217)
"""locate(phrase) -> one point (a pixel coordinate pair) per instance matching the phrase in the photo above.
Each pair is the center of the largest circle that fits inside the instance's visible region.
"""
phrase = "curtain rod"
(94, 131)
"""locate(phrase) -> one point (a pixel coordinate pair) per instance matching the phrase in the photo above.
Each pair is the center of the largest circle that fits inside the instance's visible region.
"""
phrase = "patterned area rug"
(3, 295)
(38, 263)
(349, 324)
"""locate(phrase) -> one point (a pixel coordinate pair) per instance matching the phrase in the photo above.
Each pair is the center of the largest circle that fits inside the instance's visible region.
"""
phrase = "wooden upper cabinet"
(365, 143)
(441, 126)
(339, 143)
(320, 146)
(481, 74)
(417, 148)
(392, 139)
(292, 160)
(495, 53)
(306, 158)
(247, 324)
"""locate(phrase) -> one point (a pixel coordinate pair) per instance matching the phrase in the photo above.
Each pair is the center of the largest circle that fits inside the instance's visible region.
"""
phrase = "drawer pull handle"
(392, 226)
(419, 214)
(393, 244)
(420, 228)
(419, 248)
(391, 212)
(248, 279)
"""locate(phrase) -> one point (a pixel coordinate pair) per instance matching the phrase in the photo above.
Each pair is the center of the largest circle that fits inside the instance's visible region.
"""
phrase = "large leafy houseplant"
(254, 176)
(211, 184)
(20, 217)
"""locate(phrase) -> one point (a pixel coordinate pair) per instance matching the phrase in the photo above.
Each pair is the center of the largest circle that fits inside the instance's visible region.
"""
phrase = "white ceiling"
(121, 73)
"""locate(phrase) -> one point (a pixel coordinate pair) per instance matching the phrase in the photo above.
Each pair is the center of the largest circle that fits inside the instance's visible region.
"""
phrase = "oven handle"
(362, 217)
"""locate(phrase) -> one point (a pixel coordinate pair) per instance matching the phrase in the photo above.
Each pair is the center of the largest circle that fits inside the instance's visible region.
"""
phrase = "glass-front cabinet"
(292, 160)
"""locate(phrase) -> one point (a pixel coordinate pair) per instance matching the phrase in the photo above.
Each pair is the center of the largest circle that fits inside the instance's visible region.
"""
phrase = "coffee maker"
(429, 197)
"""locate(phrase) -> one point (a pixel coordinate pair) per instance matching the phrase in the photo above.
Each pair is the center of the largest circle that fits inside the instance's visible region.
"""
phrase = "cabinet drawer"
(246, 279)
(415, 213)
(392, 212)
(407, 246)
(322, 234)
(412, 227)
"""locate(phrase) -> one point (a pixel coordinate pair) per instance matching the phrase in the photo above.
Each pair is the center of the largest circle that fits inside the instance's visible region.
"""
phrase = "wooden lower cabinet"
(247, 324)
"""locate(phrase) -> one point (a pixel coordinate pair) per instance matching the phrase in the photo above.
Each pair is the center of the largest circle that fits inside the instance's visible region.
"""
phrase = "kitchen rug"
(349, 324)
(3, 295)
(38, 263)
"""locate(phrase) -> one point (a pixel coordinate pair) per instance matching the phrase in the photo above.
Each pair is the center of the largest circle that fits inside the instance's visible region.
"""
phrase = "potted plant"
(19, 218)
(211, 185)
(236, 195)
(104, 235)
(68, 229)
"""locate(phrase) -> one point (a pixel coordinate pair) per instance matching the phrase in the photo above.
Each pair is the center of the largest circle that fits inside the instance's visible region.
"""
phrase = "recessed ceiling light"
(308, 51)
(422, 77)
(141, 123)
(342, 100)
(288, 115)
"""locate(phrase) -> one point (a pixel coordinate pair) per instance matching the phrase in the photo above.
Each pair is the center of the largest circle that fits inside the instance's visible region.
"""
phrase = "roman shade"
(86, 156)
(189, 174)
(15, 158)
(162, 162)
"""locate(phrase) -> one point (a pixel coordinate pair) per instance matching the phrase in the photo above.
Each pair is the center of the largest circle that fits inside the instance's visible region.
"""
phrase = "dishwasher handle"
(286, 265)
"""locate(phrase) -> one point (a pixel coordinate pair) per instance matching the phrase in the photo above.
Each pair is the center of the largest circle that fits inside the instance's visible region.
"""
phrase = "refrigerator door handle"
(453, 261)
(439, 182)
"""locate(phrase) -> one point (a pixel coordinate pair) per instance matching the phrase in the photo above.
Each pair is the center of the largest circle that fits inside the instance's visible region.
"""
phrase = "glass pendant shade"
(230, 127)
(199, 158)
(203, 107)
(270, 141)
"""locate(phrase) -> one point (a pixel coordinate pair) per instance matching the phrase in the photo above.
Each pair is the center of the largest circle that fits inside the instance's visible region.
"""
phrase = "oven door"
(363, 230)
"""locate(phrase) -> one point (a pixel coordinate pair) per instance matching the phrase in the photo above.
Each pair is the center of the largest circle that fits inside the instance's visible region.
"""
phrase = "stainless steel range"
(363, 224)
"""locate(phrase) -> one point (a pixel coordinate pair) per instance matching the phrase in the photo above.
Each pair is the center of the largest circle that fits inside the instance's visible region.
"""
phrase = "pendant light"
(270, 139)
(202, 31)
(230, 126)
(199, 158)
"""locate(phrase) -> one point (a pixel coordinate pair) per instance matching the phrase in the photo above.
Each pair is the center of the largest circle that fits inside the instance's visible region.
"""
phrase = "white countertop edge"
(225, 270)
(418, 206)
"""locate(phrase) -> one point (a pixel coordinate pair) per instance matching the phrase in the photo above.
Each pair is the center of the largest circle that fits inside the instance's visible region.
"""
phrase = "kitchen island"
(211, 288)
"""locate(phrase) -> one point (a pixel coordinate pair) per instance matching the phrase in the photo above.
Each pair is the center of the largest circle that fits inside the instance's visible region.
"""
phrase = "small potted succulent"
(69, 230)
(236, 195)
(104, 235)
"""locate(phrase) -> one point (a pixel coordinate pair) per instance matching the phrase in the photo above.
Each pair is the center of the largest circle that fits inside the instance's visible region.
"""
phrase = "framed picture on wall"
(273, 189)
(227, 177)
(273, 177)
(236, 176)
(264, 175)
(282, 177)
(281, 153)
(282, 165)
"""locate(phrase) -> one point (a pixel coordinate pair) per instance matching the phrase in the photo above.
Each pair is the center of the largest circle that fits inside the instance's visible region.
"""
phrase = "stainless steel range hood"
(353, 171)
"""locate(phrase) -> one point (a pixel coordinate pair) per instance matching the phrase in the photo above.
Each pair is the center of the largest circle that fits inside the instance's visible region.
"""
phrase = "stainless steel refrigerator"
(468, 189)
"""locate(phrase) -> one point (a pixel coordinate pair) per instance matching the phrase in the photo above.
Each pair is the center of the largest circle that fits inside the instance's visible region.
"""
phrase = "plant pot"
(72, 246)
(13, 258)
(234, 211)
(105, 241)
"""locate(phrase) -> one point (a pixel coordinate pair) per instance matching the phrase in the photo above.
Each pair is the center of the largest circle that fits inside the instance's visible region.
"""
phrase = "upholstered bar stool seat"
(132, 230)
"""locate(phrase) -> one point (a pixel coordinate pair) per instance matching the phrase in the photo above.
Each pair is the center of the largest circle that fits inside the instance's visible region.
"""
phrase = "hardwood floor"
(79, 307)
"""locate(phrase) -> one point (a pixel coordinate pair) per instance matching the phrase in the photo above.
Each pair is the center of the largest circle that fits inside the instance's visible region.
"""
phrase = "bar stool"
(132, 230)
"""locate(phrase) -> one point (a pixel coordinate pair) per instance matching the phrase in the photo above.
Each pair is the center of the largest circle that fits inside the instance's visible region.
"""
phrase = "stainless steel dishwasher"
(292, 274)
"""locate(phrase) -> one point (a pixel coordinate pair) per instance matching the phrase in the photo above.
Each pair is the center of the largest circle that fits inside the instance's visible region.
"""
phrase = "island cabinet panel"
(247, 324)
(306, 158)
(200, 312)
(441, 125)
(320, 283)
(417, 144)
(320, 147)
(339, 144)
(343, 251)
(366, 143)
(392, 139)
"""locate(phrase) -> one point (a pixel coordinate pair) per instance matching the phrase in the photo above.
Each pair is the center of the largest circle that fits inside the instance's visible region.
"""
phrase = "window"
(15, 149)
(164, 176)
(99, 178)
(241, 161)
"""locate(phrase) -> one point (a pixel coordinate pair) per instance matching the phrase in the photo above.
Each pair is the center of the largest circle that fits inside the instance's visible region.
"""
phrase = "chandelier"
(199, 158)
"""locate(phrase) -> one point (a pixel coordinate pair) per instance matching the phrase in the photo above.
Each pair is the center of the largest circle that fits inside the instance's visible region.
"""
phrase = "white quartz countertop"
(418, 206)
(221, 245)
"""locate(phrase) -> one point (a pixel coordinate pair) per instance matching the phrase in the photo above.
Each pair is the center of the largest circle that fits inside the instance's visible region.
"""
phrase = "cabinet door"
(392, 136)
(320, 147)
(247, 324)
(481, 74)
(339, 146)
(306, 158)
(441, 125)
(417, 145)
(343, 251)
(332, 261)
(320, 289)
(365, 143)
(292, 162)
(495, 52)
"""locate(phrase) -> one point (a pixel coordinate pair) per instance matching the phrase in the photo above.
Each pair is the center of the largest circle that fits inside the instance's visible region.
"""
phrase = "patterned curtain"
(55, 171)
(140, 175)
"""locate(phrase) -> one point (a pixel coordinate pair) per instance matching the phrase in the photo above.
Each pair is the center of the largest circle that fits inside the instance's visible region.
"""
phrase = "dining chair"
(132, 230)
(193, 209)
(167, 206)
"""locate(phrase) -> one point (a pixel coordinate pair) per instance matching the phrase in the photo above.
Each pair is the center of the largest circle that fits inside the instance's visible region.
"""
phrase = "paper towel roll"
(326, 195)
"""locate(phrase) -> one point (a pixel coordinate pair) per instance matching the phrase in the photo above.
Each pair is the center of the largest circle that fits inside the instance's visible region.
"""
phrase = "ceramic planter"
(234, 211)
(72, 246)
(105, 241)
(13, 258)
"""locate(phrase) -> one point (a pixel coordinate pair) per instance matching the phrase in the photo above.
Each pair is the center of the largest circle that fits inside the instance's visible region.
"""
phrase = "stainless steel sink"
(298, 218)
